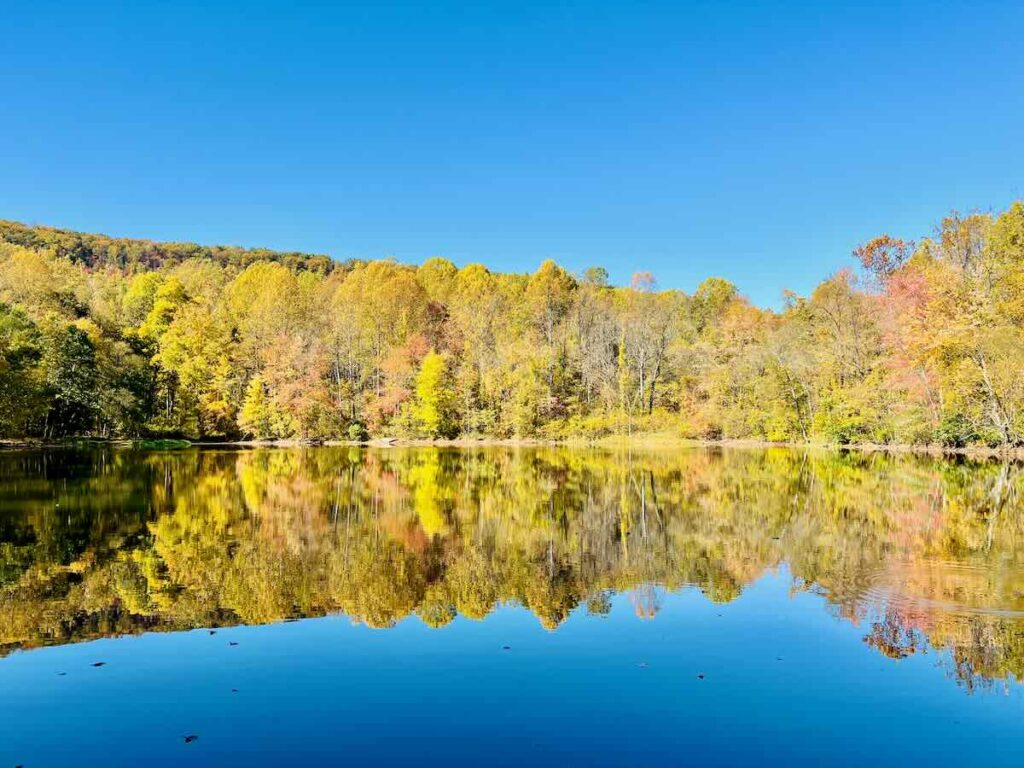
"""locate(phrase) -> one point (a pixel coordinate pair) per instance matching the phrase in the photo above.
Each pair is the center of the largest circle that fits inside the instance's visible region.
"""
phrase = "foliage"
(125, 338)
(434, 409)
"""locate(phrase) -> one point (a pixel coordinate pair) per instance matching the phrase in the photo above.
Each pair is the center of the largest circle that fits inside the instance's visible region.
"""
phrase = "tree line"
(917, 343)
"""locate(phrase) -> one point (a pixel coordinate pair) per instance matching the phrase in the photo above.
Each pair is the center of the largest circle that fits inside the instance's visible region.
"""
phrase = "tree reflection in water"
(921, 552)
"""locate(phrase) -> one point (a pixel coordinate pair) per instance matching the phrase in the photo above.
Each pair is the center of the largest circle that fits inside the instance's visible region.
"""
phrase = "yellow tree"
(433, 411)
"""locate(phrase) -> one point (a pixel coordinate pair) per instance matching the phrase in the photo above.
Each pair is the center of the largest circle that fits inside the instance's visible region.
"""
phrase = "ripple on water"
(950, 587)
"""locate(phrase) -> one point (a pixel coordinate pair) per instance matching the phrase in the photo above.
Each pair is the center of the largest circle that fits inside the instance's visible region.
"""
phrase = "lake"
(509, 606)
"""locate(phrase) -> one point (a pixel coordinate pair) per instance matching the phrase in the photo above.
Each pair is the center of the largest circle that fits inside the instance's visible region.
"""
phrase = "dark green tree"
(71, 381)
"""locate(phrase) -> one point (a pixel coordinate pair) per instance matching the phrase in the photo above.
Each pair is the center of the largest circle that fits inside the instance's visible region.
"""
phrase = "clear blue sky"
(757, 141)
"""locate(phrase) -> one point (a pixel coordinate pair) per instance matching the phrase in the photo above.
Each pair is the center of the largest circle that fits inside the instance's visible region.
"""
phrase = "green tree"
(71, 381)
(22, 396)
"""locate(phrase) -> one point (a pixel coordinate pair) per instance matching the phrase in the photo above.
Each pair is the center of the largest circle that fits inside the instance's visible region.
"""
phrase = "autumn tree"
(433, 411)
(126, 338)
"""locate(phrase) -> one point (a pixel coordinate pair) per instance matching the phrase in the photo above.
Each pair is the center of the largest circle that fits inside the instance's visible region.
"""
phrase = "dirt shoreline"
(613, 442)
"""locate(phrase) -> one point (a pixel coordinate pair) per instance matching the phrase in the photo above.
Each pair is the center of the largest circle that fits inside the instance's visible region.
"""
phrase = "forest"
(913, 343)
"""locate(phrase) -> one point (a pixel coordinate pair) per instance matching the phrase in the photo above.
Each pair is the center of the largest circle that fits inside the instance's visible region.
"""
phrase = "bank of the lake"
(648, 441)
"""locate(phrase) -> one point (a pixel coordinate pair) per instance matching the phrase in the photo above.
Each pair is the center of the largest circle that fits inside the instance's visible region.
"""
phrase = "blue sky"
(757, 141)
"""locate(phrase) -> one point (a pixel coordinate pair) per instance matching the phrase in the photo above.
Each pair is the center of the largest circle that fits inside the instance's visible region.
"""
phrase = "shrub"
(955, 431)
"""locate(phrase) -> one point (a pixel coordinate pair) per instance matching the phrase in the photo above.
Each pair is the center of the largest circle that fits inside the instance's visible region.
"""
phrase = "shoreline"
(611, 442)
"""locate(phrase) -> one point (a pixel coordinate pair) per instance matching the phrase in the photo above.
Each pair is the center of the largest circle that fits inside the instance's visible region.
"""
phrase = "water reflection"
(921, 553)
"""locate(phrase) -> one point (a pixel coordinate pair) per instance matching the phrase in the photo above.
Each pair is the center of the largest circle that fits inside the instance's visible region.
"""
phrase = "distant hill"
(98, 251)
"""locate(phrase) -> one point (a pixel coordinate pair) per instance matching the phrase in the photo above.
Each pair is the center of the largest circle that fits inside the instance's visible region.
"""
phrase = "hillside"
(98, 251)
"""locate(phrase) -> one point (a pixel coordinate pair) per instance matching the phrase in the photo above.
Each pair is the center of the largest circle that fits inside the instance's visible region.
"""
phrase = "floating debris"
(700, 676)
(232, 642)
(190, 738)
(99, 663)
(506, 647)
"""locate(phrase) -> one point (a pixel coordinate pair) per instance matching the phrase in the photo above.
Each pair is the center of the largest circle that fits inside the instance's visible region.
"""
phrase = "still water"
(509, 607)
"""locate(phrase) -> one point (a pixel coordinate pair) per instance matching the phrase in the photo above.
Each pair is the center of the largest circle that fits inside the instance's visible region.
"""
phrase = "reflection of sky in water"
(783, 681)
(839, 608)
